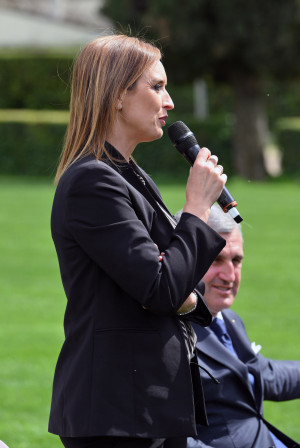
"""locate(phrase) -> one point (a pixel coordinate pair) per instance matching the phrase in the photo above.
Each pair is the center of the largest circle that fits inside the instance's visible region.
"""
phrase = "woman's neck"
(122, 145)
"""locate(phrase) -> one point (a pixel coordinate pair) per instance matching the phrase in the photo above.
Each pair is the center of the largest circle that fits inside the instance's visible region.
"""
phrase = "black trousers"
(122, 442)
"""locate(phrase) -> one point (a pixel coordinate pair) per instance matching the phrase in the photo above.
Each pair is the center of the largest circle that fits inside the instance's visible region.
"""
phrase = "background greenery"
(44, 83)
(32, 298)
(34, 116)
(243, 45)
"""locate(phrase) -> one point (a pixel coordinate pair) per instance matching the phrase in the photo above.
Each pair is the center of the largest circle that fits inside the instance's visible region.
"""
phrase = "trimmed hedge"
(42, 81)
(30, 149)
(35, 81)
(160, 157)
(31, 142)
(288, 140)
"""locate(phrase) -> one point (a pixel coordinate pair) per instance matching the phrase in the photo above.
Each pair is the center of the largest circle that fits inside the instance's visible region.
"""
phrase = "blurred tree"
(242, 43)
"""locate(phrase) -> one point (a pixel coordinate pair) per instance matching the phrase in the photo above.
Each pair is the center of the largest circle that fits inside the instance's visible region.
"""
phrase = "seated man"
(234, 407)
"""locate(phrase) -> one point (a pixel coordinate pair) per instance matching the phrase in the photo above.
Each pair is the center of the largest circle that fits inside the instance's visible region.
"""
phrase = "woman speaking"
(130, 274)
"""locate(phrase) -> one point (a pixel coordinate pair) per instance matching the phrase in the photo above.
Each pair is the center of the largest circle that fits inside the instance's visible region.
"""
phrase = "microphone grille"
(176, 130)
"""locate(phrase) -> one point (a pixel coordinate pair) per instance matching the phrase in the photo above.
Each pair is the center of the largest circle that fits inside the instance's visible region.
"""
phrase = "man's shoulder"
(229, 313)
(232, 316)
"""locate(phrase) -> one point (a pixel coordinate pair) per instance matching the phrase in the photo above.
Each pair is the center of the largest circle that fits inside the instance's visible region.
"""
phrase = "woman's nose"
(168, 102)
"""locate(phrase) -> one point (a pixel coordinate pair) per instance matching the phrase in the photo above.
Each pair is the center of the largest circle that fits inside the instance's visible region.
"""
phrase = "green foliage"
(158, 157)
(33, 300)
(127, 14)
(288, 140)
(34, 81)
(241, 44)
(32, 141)
(200, 37)
(282, 99)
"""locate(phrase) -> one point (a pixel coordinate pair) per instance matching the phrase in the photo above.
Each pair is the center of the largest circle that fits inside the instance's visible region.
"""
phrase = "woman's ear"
(120, 100)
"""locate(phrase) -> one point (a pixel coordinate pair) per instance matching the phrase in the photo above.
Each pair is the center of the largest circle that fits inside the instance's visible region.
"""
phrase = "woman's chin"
(157, 135)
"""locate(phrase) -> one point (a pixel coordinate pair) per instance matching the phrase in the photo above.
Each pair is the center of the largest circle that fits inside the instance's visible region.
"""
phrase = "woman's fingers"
(205, 183)
(214, 159)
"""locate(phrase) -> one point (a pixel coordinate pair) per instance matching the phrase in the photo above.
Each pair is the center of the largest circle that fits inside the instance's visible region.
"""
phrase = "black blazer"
(123, 369)
(235, 415)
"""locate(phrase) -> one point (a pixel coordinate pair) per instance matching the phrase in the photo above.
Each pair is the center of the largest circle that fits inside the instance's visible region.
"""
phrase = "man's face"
(222, 280)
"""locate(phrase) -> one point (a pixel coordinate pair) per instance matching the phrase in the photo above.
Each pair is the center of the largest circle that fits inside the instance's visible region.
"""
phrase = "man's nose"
(227, 272)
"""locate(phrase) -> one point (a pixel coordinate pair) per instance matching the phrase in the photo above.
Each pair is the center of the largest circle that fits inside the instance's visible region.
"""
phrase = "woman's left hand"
(189, 304)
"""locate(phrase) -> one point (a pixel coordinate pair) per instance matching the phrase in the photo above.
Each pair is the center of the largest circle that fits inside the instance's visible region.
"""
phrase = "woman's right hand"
(204, 186)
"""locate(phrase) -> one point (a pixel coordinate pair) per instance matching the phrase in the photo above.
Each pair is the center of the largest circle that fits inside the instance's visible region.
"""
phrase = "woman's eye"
(157, 87)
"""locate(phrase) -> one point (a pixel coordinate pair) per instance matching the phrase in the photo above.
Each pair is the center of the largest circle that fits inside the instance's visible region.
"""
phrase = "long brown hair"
(102, 73)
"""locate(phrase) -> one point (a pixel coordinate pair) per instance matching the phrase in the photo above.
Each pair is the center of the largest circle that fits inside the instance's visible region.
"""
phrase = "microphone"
(185, 142)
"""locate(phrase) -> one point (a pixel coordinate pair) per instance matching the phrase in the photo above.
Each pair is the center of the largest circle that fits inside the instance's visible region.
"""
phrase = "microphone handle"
(225, 201)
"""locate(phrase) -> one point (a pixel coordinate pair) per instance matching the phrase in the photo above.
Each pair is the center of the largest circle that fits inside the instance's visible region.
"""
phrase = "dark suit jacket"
(234, 413)
(123, 369)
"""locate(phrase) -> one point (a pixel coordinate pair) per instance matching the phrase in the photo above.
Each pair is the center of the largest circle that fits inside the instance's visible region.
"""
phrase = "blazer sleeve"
(281, 379)
(102, 218)
(201, 314)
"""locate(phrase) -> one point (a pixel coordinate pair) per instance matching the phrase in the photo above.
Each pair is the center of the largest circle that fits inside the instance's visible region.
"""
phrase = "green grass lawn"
(32, 298)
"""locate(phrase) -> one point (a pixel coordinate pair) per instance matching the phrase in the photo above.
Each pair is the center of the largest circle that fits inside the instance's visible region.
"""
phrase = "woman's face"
(145, 108)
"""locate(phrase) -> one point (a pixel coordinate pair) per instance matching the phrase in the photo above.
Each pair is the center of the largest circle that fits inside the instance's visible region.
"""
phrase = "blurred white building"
(44, 24)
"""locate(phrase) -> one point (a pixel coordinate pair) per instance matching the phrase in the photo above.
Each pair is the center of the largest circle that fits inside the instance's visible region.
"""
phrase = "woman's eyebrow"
(159, 80)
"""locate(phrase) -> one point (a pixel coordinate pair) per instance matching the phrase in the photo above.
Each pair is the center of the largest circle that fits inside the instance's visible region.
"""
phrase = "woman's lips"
(163, 120)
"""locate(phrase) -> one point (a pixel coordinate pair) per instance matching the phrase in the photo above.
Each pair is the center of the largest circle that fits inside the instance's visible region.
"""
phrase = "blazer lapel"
(141, 182)
(245, 354)
(149, 194)
(208, 344)
(152, 190)
(237, 335)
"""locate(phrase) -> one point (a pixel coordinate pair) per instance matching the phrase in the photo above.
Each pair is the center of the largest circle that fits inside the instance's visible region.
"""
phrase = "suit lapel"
(152, 191)
(244, 352)
(239, 338)
(208, 344)
(140, 181)
(136, 177)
